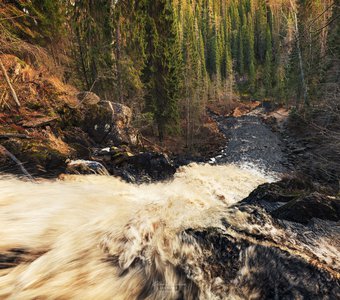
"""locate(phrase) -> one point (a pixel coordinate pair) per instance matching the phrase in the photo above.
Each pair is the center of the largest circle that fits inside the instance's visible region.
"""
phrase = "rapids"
(97, 237)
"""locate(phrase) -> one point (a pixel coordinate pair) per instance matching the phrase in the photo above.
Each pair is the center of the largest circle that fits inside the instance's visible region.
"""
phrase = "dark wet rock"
(284, 190)
(135, 168)
(184, 160)
(85, 167)
(284, 277)
(305, 208)
(145, 167)
(112, 155)
(223, 252)
(246, 270)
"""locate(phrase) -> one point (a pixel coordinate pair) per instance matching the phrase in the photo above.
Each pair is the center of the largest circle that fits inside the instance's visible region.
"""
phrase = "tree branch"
(14, 95)
(4, 151)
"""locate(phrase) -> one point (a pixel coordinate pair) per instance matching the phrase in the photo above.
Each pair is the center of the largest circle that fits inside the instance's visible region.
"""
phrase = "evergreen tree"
(240, 58)
(250, 54)
(260, 31)
(91, 24)
(44, 23)
(268, 63)
(164, 67)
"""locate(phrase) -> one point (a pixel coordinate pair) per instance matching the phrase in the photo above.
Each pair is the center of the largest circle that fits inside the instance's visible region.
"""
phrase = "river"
(97, 237)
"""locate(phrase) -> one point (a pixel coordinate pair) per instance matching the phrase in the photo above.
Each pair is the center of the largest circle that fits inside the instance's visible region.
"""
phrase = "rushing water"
(96, 237)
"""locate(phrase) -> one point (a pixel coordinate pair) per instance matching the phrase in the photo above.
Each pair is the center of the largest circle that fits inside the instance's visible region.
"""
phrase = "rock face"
(303, 209)
(40, 156)
(283, 191)
(295, 200)
(147, 167)
(242, 270)
(136, 168)
(109, 122)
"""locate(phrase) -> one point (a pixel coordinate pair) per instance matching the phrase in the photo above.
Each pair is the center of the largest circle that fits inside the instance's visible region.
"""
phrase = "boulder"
(80, 141)
(284, 190)
(109, 123)
(144, 167)
(85, 167)
(122, 114)
(41, 156)
(88, 98)
(305, 208)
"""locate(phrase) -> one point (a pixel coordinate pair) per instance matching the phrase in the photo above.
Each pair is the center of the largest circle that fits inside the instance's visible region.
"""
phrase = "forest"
(170, 60)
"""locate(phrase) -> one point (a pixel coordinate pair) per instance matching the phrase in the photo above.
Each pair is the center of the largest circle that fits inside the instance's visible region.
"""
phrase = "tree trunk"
(118, 61)
(82, 60)
(297, 33)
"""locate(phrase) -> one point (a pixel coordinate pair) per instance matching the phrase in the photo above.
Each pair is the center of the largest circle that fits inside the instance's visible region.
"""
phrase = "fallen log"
(39, 122)
(14, 135)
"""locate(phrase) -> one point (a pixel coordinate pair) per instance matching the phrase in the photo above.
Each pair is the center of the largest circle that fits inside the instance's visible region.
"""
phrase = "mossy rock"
(38, 157)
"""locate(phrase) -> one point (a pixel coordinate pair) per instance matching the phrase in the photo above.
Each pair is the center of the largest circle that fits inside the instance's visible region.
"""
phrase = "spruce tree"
(164, 67)
(268, 63)
(250, 54)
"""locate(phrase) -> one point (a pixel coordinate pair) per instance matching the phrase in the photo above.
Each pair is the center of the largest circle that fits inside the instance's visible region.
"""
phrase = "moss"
(34, 105)
(36, 154)
(69, 116)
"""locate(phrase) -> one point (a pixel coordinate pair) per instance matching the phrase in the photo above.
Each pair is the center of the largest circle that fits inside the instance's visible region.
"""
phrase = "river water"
(97, 237)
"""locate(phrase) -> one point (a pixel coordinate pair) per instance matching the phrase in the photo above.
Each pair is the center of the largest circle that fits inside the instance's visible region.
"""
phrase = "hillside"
(170, 62)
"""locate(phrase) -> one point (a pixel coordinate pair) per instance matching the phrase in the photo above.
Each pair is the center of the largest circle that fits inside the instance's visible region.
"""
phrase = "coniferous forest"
(170, 59)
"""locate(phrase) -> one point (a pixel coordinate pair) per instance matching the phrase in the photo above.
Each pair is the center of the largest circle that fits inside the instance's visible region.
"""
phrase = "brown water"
(96, 237)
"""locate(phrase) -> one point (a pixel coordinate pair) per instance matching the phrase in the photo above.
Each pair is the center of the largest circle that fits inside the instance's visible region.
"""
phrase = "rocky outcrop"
(41, 155)
(304, 209)
(109, 123)
(88, 98)
(295, 200)
(284, 191)
(57, 123)
(136, 168)
(147, 167)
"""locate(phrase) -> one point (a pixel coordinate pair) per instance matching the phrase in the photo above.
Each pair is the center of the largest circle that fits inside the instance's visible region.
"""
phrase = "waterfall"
(97, 237)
